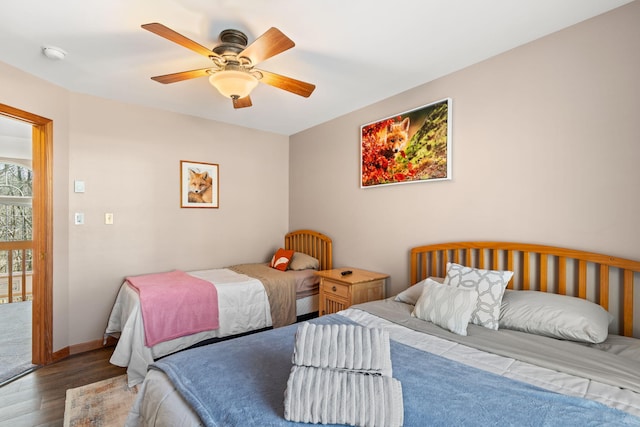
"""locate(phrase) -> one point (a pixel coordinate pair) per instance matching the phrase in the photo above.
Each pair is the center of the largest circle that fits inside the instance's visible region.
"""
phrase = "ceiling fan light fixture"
(233, 83)
(232, 70)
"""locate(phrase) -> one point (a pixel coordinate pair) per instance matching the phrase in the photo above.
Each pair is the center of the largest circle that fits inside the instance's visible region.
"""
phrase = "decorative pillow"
(446, 306)
(412, 293)
(301, 261)
(556, 316)
(281, 259)
(490, 285)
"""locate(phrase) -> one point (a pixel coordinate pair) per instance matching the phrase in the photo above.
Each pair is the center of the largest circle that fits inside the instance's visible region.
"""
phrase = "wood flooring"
(37, 399)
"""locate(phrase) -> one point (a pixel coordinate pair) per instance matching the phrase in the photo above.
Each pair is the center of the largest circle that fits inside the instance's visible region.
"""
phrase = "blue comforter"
(241, 382)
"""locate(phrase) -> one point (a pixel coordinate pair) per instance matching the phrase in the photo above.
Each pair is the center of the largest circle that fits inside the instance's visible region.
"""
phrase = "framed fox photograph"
(199, 185)
(414, 146)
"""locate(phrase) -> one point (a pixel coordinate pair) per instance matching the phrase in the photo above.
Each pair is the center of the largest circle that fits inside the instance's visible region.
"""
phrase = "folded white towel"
(328, 396)
(351, 347)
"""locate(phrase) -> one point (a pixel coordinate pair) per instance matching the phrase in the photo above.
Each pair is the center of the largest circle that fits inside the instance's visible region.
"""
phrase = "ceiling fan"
(232, 71)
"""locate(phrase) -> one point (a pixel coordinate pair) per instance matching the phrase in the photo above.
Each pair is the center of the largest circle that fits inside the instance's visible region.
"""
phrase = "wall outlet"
(79, 218)
(108, 218)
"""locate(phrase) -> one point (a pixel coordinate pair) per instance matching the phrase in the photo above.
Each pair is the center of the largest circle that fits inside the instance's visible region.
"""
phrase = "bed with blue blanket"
(546, 361)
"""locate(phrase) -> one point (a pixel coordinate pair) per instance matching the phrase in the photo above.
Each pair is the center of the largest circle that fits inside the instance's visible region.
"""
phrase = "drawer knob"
(333, 288)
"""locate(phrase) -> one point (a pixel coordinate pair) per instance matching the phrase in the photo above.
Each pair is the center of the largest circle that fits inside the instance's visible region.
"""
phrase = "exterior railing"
(15, 283)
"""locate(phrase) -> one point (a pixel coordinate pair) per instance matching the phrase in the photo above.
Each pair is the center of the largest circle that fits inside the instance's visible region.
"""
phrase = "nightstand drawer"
(333, 288)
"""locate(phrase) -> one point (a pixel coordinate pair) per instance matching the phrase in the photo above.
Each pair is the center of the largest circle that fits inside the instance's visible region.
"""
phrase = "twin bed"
(251, 297)
(556, 347)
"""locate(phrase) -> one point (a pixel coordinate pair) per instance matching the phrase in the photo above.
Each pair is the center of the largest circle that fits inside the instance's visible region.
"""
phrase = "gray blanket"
(559, 355)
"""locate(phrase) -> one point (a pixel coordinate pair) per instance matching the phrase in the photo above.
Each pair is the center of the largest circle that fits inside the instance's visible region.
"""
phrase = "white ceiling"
(356, 52)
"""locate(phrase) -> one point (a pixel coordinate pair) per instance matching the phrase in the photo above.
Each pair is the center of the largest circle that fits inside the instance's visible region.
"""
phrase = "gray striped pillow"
(446, 306)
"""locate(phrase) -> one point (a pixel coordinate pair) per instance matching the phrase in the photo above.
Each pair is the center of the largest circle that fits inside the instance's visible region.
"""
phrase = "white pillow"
(556, 316)
(446, 306)
(490, 285)
(412, 293)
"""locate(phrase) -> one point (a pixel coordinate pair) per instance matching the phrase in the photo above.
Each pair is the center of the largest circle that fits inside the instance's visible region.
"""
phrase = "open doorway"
(16, 248)
(29, 266)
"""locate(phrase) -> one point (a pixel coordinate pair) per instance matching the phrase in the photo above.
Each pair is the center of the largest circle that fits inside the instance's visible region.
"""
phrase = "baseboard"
(83, 348)
(60, 354)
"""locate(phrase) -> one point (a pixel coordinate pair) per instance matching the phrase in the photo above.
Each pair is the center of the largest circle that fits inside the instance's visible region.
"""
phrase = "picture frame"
(199, 185)
(409, 147)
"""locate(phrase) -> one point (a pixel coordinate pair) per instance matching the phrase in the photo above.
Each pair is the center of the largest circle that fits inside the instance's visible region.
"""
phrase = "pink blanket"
(175, 304)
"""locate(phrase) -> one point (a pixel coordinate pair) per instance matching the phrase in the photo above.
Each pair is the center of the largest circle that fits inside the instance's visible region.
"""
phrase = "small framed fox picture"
(199, 185)
(414, 146)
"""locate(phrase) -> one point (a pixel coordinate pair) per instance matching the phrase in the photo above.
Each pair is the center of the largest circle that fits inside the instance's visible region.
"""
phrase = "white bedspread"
(243, 306)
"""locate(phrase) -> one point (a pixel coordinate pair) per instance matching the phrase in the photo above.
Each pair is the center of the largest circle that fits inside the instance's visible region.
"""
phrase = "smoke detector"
(53, 52)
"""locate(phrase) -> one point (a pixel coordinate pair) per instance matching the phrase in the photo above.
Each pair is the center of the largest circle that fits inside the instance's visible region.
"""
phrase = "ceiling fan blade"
(287, 83)
(242, 102)
(184, 75)
(267, 45)
(178, 38)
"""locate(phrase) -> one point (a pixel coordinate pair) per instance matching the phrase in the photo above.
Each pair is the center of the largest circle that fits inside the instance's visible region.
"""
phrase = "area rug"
(105, 403)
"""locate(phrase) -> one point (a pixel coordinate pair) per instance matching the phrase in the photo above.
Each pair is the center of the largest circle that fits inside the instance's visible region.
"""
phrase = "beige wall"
(129, 159)
(546, 142)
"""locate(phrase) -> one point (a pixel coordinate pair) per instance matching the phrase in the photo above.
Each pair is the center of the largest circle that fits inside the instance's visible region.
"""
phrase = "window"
(16, 225)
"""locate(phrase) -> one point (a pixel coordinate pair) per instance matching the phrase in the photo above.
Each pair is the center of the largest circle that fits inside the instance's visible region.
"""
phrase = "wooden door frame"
(42, 166)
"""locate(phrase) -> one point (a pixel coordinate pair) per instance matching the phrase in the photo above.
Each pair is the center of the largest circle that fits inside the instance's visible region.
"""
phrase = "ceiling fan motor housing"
(232, 43)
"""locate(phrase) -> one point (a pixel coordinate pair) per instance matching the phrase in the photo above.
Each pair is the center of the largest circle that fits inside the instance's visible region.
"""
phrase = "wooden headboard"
(604, 279)
(311, 243)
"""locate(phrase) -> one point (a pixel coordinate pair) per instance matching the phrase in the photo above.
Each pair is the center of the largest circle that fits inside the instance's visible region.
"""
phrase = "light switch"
(108, 218)
(79, 218)
(78, 186)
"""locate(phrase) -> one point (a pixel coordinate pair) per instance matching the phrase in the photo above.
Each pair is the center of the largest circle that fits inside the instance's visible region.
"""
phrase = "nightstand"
(338, 292)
